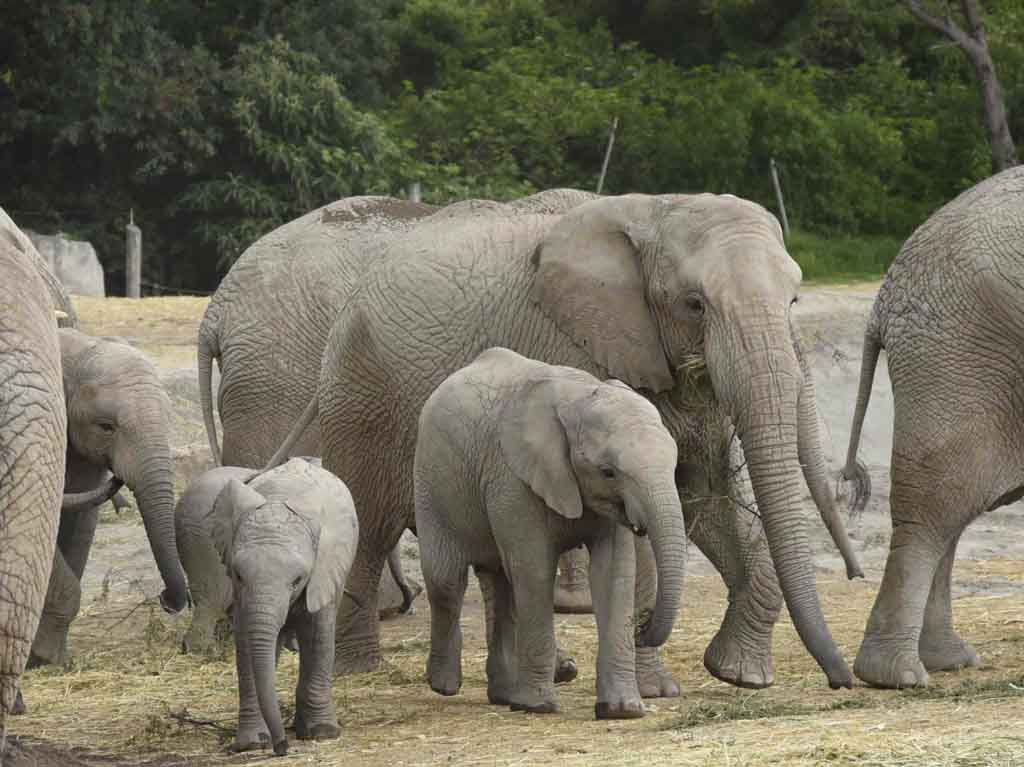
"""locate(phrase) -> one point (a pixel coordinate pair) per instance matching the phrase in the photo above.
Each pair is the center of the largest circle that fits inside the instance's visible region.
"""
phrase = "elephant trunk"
(149, 474)
(762, 386)
(668, 539)
(262, 629)
(90, 499)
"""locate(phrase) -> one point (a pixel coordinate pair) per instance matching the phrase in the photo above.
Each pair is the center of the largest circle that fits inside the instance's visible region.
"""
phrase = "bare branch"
(946, 27)
(973, 15)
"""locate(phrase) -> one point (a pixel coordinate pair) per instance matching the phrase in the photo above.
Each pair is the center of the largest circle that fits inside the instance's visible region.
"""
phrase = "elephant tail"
(312, 411)
(209, 350)
(855, 471)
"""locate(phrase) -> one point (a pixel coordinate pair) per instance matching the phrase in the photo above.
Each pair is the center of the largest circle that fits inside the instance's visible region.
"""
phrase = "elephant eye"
(607, 472)
(695, 304)
(106, 426)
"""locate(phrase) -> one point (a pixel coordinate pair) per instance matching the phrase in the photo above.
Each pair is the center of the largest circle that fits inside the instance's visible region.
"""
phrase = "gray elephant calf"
(209, 586)
(517, 461)
(287, 539)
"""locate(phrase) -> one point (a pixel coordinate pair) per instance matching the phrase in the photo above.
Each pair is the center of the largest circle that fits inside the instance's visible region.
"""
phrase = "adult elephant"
(118, 421)
(267, 325)
(686, 298)
(950, 316)
(33, 437)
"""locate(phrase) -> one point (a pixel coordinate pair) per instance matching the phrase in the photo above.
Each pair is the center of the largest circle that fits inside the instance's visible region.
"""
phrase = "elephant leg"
(653, 679)
(501, 637)
(445, 574)
(211, 623)
(612, 579)
(119, 502)
(315, 717)
(75, 538)
(940, 647)
(572, 587)
(63, 599)
(357, 637)
(252, 732)
(531, 579)
(565, 665)
(720, 519)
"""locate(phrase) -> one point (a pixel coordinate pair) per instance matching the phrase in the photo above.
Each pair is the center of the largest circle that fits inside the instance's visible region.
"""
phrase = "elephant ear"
(234, 500)
(589, 281)
(333, 516)
(536, 446)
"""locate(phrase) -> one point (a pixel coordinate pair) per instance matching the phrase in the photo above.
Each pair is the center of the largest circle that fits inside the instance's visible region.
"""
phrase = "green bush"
(841, 257)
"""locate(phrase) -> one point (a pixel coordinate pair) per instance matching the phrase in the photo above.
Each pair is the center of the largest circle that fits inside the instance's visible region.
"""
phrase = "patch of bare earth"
(130, 695)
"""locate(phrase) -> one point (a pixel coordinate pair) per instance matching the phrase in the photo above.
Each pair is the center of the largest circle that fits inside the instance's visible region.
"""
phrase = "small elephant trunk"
(667, 532)
(263, 630)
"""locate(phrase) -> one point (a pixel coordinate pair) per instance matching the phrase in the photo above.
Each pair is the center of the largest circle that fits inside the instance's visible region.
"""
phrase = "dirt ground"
(129, 697)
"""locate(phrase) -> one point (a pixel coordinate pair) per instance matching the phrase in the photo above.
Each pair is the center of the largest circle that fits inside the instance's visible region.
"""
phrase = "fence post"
(778, 196)
(607, 154)
(133, 258)
(414, 191)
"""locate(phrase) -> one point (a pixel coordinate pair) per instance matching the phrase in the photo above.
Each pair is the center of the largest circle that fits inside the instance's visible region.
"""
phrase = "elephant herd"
(510, 381)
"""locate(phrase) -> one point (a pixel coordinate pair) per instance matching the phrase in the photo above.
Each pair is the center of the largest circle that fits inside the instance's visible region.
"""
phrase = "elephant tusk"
(59, 314)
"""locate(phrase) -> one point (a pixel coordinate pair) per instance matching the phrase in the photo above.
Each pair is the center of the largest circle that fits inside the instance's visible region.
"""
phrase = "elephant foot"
(543, 707)
(885, 664)
(729, 660)
(249, 740)
(444, 681)
(623, 708)
(355, 661)
(572, 586)
(328, 729)
(19, 705)
(652, 678)
(499, 695)
(947, 652)
(565, 667)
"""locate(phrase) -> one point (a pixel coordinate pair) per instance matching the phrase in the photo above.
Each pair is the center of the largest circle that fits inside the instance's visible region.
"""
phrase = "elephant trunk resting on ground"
(684, 297)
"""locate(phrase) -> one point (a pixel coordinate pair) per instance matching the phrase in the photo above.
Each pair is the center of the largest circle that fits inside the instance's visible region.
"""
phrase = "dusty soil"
(130, 697)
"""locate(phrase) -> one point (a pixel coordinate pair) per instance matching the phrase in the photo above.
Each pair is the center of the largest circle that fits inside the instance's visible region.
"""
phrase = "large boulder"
(73, 261)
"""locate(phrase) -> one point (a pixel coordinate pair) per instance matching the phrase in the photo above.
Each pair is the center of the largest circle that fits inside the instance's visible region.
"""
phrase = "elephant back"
(16, 239)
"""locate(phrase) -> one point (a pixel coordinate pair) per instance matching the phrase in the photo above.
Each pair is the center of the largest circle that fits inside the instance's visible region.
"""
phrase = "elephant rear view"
(950, 316)
(33, 439)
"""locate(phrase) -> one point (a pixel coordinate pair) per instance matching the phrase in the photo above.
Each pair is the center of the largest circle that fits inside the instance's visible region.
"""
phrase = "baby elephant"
(516, 462)
(287, 539)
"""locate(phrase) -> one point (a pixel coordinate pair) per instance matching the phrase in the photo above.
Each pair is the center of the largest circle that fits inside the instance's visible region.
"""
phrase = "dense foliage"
(217, 120)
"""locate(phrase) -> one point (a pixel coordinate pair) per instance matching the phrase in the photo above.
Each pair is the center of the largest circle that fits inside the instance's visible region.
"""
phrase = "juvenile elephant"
(686, 297)
(118, 420)
(209, 586)
(950, 316)
(517, 461)
(33, 437)
(286, 539)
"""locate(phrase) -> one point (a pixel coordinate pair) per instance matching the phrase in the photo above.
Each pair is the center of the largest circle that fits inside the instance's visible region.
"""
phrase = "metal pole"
(778, 196)
(607, 154)
(133, 258)
(414, 191)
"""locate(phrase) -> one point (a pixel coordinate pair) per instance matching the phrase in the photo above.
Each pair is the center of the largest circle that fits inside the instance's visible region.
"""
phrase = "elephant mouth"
(638, 530)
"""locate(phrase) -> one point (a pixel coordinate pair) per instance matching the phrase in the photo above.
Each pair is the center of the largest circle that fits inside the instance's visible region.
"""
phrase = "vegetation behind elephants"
(129, 697)
(218, 120)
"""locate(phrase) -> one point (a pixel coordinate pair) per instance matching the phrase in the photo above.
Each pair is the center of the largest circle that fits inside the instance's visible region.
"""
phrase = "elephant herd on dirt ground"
(563, 383)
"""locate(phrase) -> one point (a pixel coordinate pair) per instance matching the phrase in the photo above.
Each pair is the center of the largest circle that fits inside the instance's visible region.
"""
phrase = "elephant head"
(603, 448)
(282, 546)
(119, 418)
(648, 285)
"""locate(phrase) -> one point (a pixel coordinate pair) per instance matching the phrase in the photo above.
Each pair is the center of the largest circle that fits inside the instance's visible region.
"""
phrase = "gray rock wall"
(73, 261)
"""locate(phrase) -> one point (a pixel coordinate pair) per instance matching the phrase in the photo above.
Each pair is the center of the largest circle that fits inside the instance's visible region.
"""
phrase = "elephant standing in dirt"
(517, 461)
(119, 421)
(208, 584)
(33, 439)
(286, 538)
(950, 316)
(686, 297)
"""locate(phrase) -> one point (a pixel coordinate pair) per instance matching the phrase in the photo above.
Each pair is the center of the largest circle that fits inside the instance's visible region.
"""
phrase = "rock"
(73, 261)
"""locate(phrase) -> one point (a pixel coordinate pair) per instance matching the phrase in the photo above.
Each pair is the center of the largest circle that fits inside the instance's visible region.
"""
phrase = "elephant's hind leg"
(446, 574)
(63, 599)
(501, 637)
(940, 647)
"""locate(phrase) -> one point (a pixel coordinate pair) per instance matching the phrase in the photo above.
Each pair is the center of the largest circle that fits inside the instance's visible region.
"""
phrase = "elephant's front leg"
(720, 518)
(63, 599)
(315, 717)
(612, 582)
(653, 679)
(252, 729)
(532, 576)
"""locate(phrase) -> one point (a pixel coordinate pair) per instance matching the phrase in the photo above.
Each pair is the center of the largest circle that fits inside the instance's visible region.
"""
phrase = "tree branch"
(944, 26)
(973, 15)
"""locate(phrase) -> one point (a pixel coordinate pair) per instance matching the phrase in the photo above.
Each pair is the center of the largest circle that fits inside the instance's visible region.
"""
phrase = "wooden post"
(607, 154)
(133, 259)
(414, 191)
(778, 196)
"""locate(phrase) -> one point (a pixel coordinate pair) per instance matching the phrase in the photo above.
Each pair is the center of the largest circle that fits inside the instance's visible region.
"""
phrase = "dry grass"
(128, 689)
